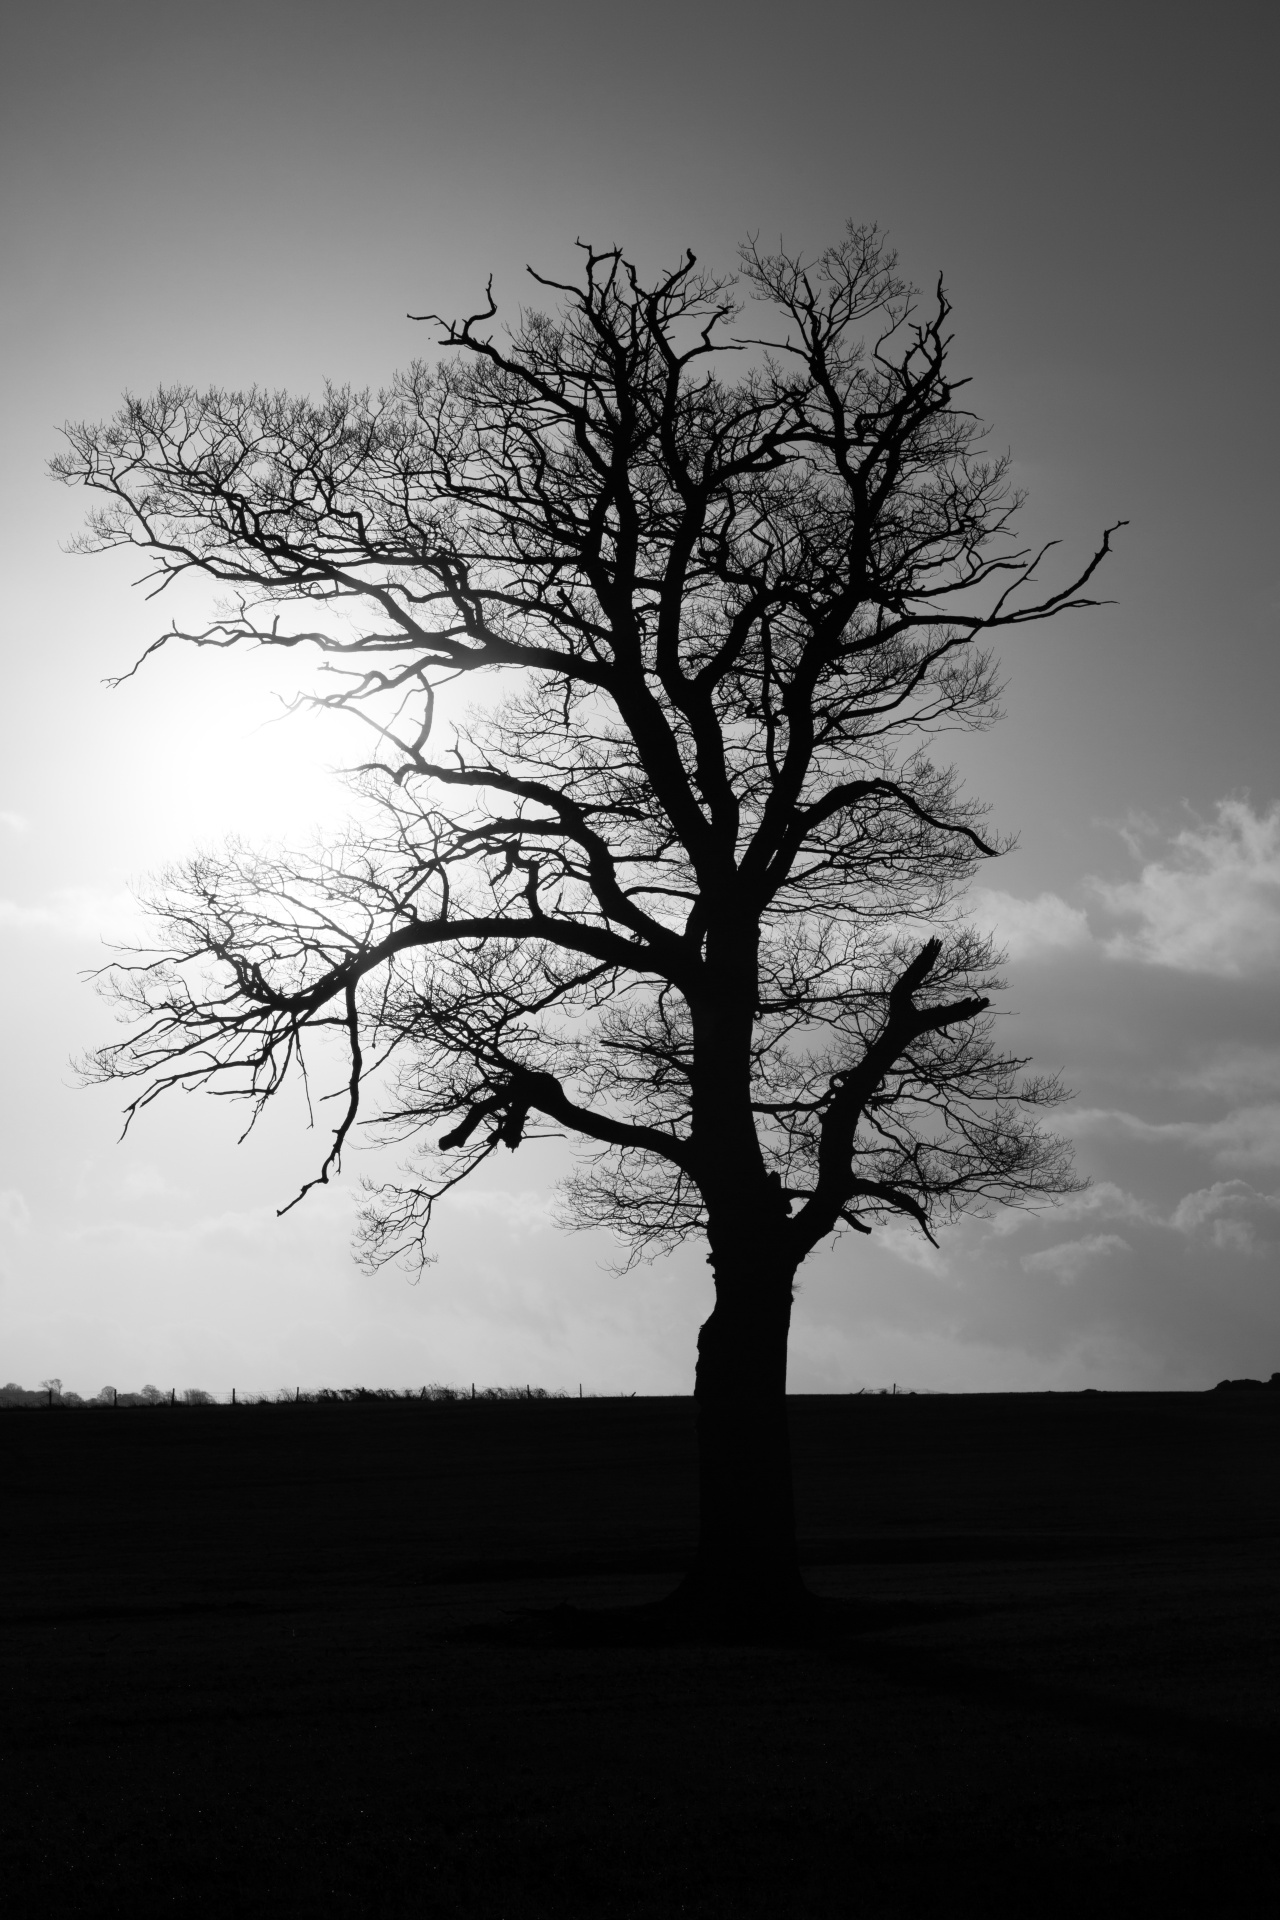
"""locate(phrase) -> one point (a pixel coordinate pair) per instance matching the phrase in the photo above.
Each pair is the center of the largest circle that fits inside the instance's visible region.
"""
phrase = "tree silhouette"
(687, 884)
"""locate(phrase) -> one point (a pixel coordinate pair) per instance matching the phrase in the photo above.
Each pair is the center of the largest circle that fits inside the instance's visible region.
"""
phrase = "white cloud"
(142, 1181)
(1112, 1120)
(526, 1212)
(1236, 1073)
(1030, 927)
(1208, 903)
(15, 1214)
(1237, 1217)
(1231, 1215)
(14, 915)
(1248, 1137)
(909, 1244)
(78, 913)
(1211, 904)
(1102, 1201)
(1067, 1261)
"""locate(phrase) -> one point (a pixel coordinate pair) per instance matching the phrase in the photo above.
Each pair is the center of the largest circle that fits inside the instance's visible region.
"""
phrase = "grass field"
(261, 1658)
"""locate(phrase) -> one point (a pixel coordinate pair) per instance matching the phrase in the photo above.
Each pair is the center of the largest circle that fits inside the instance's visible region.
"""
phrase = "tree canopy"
(684, 878)
(728, 581)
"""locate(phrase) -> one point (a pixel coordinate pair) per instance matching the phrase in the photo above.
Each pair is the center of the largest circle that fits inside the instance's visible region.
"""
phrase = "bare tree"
(688, 884)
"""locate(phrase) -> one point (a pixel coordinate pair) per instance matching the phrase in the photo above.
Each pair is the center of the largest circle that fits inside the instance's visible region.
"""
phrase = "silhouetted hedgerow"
(51, 1394)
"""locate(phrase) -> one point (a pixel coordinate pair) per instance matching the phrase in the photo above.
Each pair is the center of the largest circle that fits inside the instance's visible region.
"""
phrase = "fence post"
(233, 1396)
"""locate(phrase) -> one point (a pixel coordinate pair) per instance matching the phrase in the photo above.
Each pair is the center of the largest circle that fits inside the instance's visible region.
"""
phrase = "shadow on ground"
(383, 1661)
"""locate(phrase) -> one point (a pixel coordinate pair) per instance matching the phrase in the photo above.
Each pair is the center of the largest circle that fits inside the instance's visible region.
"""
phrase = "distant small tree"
(689, 885)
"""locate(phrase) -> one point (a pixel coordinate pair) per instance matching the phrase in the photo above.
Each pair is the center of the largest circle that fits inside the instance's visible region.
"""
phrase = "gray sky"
(262, 193)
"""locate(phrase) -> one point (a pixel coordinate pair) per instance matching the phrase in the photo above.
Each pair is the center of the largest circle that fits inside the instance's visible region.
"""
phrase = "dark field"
(241, 1667)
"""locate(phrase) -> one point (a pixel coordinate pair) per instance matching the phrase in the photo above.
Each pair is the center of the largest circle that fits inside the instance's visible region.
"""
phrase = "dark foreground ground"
(239, 1668)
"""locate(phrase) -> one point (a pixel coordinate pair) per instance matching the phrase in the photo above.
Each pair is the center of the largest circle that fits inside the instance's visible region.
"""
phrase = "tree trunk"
(746, 1575)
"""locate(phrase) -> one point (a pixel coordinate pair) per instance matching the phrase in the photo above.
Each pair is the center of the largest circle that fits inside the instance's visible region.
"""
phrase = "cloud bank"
(1208, 902)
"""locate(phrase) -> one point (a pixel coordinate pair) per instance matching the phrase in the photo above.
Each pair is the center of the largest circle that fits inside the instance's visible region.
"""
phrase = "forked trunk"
(746, 1575)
